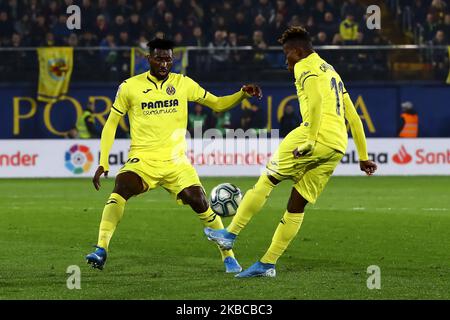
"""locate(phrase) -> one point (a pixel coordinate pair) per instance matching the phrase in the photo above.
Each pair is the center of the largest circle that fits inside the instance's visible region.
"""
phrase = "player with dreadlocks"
(307, 156)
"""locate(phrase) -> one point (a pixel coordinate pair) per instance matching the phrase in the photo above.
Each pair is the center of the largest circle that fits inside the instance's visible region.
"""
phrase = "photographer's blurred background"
(222, 44)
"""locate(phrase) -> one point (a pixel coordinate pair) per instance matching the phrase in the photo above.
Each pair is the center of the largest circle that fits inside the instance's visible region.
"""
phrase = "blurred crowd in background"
(221, 25)
(187, 22)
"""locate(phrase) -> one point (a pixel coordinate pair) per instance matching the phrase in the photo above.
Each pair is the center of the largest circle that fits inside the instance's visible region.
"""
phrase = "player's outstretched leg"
(286, 231)
(195, 197)
(252, 203)
(127, 185)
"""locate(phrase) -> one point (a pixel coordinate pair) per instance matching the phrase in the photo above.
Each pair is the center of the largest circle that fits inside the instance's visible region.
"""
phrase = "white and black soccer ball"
(225, 199)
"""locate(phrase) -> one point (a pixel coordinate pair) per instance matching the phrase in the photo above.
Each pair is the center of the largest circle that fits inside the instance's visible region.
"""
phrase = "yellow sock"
(286, 231)
(252, 202)
(213, 221)
(112, 213)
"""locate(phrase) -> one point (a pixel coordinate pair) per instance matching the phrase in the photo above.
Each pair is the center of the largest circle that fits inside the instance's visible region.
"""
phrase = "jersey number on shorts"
(338, 88)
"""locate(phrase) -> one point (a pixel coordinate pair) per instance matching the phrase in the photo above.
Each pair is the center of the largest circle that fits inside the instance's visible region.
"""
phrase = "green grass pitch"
(401, 224)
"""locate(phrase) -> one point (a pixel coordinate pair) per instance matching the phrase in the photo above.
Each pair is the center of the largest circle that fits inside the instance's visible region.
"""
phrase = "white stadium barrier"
(231, 157)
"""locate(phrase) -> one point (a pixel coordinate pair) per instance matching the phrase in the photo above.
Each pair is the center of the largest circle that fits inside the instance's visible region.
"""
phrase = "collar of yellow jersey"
(154, 79)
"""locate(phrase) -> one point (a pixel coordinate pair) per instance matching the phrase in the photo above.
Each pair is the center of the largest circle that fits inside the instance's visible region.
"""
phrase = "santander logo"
(402, 156)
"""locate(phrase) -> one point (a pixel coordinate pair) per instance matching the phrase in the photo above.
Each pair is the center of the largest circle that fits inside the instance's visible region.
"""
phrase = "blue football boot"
(232, 265)
(97, 258)
(258, 269)
(222, 237)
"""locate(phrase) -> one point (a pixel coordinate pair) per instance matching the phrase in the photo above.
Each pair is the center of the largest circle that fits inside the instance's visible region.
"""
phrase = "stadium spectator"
(219, 24)
(318, 13)
(101, 28)
(88, 39)
(119, 26)
(281, 8)
(23, 27)
(89, 15)
(430, 27)
(12, 70)
(6, 27)
(60, 30)
(245, 121)
(446, 25)
(122, 8)
(353, 8)
(72, 134)
(276, 28)
(265, 9)
(438, 9)
(301, 9)
(260, 24)
(72, 40)
(333, 7)
(322, 40)
(221, 121)
(103, 9)
(246, 8)
(197, 38)
(241, 27)
(227, 12)
(259, 54)
(311, 26)
(289, 121)
(39, 31)
(440, 60)
(50, 40)
(52, 12)
(198, 120)
(158, 13)
(251, 118)
(329, 25)
(420, 11)
(85, 125)
(169, 27)
(348, 29)
(409, 121)
(235, 55)
(219, 50)
(135, 26)
(178, 9)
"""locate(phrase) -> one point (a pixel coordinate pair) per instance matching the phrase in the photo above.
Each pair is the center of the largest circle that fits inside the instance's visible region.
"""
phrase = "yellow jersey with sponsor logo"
(332, 129)
(157, 111)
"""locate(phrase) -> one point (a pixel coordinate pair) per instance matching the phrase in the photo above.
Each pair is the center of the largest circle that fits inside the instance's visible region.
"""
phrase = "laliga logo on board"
(402, 156)
(78, 159)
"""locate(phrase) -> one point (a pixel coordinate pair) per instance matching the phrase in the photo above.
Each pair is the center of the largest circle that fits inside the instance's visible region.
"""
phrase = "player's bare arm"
(366, 165)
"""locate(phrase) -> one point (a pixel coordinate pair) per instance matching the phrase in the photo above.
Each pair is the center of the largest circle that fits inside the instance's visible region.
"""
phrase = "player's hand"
(98, 173)
(304, 149)
(369, 167)
(253, 90)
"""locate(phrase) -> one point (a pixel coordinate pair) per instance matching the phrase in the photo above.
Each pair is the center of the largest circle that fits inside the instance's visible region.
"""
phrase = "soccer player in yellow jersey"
(307, 156)
(156, 103)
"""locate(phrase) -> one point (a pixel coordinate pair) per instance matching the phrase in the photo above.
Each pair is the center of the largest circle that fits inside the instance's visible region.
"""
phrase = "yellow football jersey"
(158, 112)
(332, 129)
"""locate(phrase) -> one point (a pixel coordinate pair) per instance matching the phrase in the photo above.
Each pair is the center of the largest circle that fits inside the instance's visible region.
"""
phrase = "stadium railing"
(382, 63)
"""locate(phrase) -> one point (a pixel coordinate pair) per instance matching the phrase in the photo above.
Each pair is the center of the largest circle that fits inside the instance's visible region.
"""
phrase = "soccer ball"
(225, 199)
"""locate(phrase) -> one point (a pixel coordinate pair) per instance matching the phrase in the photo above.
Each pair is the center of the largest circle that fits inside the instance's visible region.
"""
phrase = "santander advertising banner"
(228, 157)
